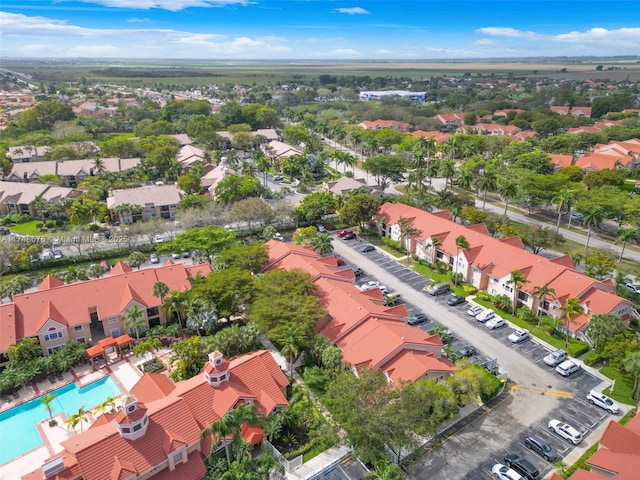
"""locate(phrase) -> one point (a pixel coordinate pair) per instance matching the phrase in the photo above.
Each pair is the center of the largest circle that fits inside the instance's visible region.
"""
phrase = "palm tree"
(465, 178)
(292, 341)
(447, 169)
(40, 206)
(161, 290)
(518, 279)
(541, 293)
(593, 215)
(176, 303)
(571, 309)
(631, 365)
(487, 183)
(77, 418)
(564, 201)
(262, 163)
(434, 244)
(625, 235)
(384, 471)
(19, 283)
(98, 165)
(461, 244)
(508, 189)
(108, 404)
(322, 243)
(46, 401)
(134, 319)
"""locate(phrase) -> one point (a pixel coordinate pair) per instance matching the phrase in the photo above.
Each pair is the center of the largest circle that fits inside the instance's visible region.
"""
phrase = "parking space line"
(576, 422)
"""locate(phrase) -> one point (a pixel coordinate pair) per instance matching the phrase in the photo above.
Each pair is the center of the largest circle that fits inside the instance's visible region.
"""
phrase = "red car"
(339, 261)
(342, 233)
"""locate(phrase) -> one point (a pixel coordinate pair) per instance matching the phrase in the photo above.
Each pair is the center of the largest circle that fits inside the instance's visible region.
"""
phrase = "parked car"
(474, 310)
(541, 447)
(370, 285)
(57, 254)
(277, 178)
(633, 288)
(518, 335)
(358, 272)
(417, 319)
(485, 315)
(438, 288)
(454, 300)
(391, 299)
(568, 367)
(502, 472)
(4, 231)
(47, 255)
(466, 351)
(56, 242)
(367, 248)
(340, 261)
(495, 322)
(175, 255)
(383, 289)
(565, 431)
(154, 258)
(321, 228)
(107, 234)
(349, 236)
(577, 217)
(105, 265)
(278, 236)
(343, 232)
(521, 465)
(158, 239)
(602, 401)
(555, 358)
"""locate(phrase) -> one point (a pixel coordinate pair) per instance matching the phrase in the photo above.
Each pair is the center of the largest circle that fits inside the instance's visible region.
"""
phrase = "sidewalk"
(319, 463)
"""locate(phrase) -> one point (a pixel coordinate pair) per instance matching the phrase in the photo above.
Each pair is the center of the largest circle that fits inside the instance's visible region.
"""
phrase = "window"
(50, 350)
(113, 319)
(177, 458)
(77, 328)
(223, 376)
(126, 430)
(52, 336)
(115, 332)
(152, 312)
(81, 340)
(137, 427)
(622, 311)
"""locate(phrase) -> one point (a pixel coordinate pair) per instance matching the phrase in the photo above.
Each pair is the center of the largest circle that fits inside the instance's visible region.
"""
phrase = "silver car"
(555, 358)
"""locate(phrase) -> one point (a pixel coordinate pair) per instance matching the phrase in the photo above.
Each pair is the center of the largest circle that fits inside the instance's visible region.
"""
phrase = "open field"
(198, 72)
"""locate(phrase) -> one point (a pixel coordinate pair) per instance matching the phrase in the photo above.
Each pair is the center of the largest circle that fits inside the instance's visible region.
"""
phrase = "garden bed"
(151, 366)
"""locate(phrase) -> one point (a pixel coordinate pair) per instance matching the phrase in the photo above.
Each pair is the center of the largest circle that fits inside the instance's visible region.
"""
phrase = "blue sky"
(318, 29)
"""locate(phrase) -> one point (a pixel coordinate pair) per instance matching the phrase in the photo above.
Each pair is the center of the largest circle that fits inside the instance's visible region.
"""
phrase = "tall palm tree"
(571, 309)
(518, 279)
(461, 244)
(40, 206)
(98, 165)
(508, 189)
(108, 404)
(407, 231)
(593, 215)
(46, 401)
(447, 169)
(541, 293)
(434, 243)
(262, 163)
(563, 201)
(160, 290)
(488, 182)
(292, 341)
(465, 178)
(625, 235)
(134, 319)
(176, 302)
(78, 418)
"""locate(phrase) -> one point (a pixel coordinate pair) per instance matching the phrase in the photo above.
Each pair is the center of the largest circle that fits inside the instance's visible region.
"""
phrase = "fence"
(289, 465)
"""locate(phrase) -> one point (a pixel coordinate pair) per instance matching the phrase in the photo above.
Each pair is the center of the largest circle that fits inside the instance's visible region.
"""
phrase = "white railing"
(289, 465)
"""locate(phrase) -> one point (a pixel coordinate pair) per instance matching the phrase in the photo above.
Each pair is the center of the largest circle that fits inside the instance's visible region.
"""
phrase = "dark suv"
(521, 465)
(541, 447)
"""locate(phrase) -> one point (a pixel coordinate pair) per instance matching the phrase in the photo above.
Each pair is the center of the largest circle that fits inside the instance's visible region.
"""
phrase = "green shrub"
(577, 348)
(94, 227)
(494, 385)
(59, 222)
(485, 296)
(39, 225)
(469, 290)
(591, 358)
(50, 224)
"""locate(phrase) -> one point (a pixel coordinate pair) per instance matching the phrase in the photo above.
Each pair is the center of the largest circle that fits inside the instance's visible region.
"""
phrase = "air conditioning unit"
(52, 467)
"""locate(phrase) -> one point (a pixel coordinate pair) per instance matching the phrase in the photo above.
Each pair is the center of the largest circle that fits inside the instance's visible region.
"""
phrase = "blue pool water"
(18, 432)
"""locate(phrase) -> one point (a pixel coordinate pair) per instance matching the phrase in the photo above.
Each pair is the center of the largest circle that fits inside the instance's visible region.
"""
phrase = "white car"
(370, 285)
(278, 236)
(555, 358)
(633, 288)
(565, 431)
(518, 335)
(485, 315)
(502, 472)
(474, 310)
(567, 368)
(277, 178)
(495, 322)
(175, 255)
(602, 401)
(56, 242)
(383, 289)
(158, 239)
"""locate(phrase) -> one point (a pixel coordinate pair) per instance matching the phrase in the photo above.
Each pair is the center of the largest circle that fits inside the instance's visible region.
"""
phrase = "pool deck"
(124, 372)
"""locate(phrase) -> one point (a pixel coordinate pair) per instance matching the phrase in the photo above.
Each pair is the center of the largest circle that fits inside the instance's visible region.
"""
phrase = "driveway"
(540, 394)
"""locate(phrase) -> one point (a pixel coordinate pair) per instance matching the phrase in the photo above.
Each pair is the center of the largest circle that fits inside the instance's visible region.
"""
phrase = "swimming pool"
(18, 432)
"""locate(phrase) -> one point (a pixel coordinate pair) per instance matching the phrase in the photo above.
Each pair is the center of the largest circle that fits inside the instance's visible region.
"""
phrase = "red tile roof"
(600, 161)
(194, 469)
(438, 137)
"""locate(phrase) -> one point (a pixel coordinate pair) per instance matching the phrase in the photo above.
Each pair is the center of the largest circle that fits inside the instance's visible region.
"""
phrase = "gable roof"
(149, 194)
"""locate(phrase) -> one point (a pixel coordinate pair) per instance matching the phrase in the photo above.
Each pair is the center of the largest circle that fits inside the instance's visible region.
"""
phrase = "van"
(438, 288)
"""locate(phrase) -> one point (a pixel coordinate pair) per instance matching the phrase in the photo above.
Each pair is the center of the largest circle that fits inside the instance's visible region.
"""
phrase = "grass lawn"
(623, 387)
(435, 276)
(580, 463)
(27, 228)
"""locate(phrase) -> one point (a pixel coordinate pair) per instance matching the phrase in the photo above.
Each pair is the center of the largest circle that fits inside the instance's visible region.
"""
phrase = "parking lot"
(539, 395)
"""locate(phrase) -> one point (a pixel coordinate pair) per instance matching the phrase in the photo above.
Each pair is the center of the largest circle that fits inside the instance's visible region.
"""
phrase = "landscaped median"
(437, 277)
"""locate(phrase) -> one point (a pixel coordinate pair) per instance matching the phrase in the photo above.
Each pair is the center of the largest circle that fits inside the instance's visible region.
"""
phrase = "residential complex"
(153, 201)
(488, 262)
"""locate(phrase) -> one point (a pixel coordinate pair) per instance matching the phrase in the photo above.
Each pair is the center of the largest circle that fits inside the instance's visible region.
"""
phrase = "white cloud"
(137, 20)
(507, 32)
(484, 41)
(353, 11)
(171, 5)
(624, 37)
(383, 52)
(344, 52)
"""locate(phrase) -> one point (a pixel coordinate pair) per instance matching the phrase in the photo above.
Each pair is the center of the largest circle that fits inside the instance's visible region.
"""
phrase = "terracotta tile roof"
(70, 472)
(8, 327)
(559, 160)
(621, 439)
(120, 268)
(108, 294)
(149, 194)
(625, 466)
(438, 137)
(50, 282)
(600, 161)
(152, 386)
(581, 475)
(410, 365)
(193, 469)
